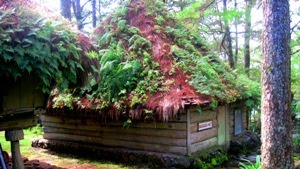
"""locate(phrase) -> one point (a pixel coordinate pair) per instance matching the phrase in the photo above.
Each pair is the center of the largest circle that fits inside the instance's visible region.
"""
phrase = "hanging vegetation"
(42, 46)
(152, 67)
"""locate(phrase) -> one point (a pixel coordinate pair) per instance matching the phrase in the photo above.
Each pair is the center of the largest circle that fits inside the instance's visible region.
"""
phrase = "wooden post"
(14, 136)
(188, 126)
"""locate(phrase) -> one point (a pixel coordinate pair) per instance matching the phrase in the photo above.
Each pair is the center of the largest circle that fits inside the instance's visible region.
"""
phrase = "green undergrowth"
(128, 73)
(210, 158)
(250, 165)
(31, 43)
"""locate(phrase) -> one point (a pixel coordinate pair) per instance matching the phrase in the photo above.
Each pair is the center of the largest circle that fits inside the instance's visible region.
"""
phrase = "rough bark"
(276, 93)
(227, 37)
(65, 8)
(249, 4)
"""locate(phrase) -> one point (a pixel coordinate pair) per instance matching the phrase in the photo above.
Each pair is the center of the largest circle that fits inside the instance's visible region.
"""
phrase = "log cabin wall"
(199, 139)
(164, 137)
(239, 106)
(21, 94)
(19, 100)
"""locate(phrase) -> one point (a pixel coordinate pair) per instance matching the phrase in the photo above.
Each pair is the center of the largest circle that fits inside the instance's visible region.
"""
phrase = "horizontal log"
(203, 116)
(72, 137)
(204, 144)
(145, 139)
(91, 122)
(145, 146)
(117, 143)
(119, 136)
(78, 132)
(18, 123)
(204, 135)
(194, 126)
(118, 129)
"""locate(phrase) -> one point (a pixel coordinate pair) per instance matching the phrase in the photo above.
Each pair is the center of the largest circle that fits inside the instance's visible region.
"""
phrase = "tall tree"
(78, 13)
(65, 8)
(227, 37)
(236, 34)
(276, 92)
(249, 4)
(94, 16)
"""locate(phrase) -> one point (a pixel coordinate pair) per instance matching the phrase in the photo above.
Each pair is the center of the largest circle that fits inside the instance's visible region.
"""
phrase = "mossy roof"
(34, 41)
(152, 67)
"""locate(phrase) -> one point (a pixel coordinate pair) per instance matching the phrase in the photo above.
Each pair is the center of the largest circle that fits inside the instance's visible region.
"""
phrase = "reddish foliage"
(180, 92)
(84, 42)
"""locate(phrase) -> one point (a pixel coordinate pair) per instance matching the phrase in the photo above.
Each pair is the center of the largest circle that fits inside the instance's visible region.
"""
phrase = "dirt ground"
(44, 159)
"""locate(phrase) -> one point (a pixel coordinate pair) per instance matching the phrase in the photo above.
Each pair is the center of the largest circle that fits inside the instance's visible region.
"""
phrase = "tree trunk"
(78, 13)
(228, 38)
(276, 92)
(94, 17)
(249, 4)
(236, 35)
(65, 8)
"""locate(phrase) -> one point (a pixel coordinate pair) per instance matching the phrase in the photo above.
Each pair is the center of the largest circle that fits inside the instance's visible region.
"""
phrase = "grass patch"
(53, 158)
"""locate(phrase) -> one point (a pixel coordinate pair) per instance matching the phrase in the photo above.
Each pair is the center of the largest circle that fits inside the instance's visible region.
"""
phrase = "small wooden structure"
(187, 134)
(19, 101)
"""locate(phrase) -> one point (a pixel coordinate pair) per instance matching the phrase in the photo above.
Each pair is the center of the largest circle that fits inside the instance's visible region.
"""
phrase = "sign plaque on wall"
(204, 125)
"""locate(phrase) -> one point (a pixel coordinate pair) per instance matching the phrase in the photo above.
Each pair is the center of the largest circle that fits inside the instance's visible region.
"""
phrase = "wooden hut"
(160, 91)
(185, 135)
(34, 58)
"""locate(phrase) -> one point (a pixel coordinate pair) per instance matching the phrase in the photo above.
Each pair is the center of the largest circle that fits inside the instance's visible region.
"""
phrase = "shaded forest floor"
(37, 158)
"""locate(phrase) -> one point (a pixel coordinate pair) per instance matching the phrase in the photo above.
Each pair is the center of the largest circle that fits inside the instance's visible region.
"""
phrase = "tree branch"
(295, 52)
(81, 8)
(292, 29)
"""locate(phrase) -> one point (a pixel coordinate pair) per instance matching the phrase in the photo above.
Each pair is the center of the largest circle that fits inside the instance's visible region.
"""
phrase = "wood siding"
(169, 137)
(21, 95)
(202, 139)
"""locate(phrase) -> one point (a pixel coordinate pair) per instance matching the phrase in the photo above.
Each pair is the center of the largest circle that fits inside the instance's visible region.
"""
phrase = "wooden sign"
(205, 125)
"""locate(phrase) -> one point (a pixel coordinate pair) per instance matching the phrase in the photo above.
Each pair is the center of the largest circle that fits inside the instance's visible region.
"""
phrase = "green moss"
(128, 71)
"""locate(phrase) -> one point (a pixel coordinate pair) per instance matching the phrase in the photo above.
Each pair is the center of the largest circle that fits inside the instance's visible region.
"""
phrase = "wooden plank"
(78, 132)
(91, 122)
(180, 119)
(72, 137)
(117, 129)
(145, 146)
(194, 126)
(189, 152)
(145, 139)
(116, 143)
(221, 125)
(12, 99)
(228, 137)
(18, 123)
(120, 136)
(26, 92)
(204, 135)
(204, 116)
(204, 144)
